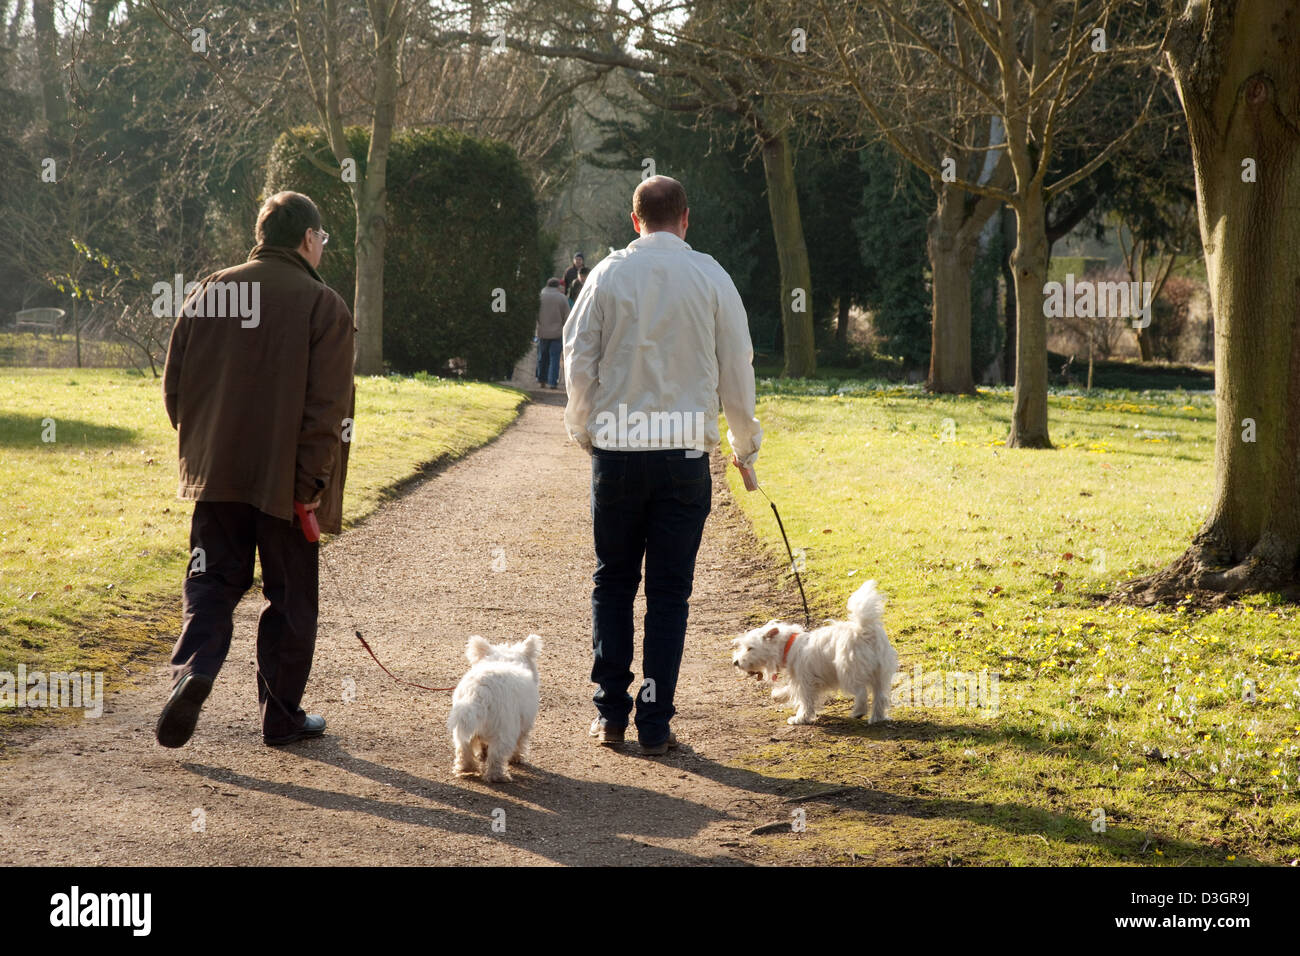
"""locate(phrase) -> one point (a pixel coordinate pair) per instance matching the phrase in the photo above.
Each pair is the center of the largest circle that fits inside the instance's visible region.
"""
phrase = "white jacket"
(657, 336)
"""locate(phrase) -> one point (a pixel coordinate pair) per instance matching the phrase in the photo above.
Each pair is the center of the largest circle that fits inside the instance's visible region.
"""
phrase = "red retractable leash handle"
(307, 521)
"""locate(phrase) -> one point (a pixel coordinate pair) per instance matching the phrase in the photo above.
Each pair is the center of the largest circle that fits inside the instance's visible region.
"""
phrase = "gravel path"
(498, 544)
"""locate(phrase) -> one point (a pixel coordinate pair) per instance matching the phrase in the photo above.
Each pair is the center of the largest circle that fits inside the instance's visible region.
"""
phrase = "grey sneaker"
(658, 750)
(312, 726)
(607, 735)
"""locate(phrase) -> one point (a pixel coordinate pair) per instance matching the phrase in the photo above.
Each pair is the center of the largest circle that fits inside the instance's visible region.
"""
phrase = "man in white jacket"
(656, 340)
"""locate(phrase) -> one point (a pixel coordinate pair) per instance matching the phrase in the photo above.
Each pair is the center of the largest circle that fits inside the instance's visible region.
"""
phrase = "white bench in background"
(39, 320)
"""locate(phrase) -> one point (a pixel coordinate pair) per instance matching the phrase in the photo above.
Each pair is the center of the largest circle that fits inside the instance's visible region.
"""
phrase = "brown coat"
(260, 402)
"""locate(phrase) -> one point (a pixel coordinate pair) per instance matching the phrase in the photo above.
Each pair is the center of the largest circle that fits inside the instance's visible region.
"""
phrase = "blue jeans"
(548, 361)
(651, 505)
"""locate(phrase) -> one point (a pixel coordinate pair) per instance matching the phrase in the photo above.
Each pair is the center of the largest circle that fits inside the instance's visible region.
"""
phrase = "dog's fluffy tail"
(465, 716)
(867, 605)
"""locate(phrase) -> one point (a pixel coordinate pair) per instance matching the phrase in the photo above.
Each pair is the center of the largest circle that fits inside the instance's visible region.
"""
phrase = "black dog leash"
(807, 618)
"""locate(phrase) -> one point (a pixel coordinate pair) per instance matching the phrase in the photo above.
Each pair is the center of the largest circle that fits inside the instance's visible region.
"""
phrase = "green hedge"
(462, 223)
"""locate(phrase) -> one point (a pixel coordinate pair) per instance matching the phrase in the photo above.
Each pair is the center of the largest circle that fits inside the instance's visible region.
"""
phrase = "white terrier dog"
(853, 656)
(494, 707)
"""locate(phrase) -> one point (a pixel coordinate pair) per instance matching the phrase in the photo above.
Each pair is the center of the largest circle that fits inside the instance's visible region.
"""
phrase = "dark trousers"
(651, 505)
(548, 361)
(218, 576)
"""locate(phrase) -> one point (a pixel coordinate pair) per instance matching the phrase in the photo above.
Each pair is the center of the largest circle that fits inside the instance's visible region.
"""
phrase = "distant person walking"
(571, 273)
(576, 286)
(552, 312)
(658, 337)
(259, 403)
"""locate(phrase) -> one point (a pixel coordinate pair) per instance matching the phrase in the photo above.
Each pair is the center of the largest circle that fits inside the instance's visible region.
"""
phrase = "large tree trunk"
(952, 242)
(371, 205)
(370, 196)
(1238, 77)
(368, 298)
(950, 269)
(1029, 267)
(792, 256)
(1144, 345)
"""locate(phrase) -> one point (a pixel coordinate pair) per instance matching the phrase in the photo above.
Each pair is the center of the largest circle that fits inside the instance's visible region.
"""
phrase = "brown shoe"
(658, 750)
(605, 733)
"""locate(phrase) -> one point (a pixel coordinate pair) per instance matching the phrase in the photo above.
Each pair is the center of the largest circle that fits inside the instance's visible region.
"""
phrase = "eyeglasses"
(324, 236)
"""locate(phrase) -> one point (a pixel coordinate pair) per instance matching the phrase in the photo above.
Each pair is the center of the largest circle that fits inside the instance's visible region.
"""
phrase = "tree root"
(1204, 575)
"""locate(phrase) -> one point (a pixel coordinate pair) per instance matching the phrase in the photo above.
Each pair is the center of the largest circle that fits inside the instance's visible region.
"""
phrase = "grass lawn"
(94, 543)
(1181, 727)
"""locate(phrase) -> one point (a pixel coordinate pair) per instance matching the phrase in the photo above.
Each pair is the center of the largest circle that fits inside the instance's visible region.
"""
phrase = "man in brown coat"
(258, 383)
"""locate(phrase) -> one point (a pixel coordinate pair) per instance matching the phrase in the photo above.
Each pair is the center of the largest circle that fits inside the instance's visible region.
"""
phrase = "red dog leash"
(311, 531)
(390, 673)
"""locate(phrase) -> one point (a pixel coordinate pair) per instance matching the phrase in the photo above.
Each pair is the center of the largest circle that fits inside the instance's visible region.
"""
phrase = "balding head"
(659, 205)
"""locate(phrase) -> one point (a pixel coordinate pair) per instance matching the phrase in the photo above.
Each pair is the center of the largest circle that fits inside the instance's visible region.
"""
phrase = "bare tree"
(1044, 56)
(321, 35)
(693, 63)
(386, 64)
(1151, 258)
(351, 64)
(495, 92)
(949, 127)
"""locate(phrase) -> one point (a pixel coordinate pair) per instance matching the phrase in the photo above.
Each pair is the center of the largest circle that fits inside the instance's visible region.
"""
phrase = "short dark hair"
(284, 218)
(583, 271)
(552, 283)
(659, 201)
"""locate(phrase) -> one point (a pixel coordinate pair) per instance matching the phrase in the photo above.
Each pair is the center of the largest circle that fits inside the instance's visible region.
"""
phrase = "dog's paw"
(797, 719)
(502, 776)
(462, 770)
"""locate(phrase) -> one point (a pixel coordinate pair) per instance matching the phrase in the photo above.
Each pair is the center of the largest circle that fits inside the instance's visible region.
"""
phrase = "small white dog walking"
(494, 707)
(852, 656)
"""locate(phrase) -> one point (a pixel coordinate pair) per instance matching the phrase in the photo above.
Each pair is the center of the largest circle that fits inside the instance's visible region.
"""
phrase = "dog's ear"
(532, 645)
(477, 648)
(771, 632)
